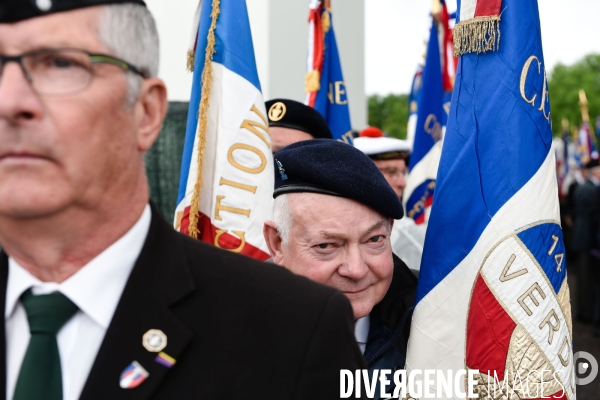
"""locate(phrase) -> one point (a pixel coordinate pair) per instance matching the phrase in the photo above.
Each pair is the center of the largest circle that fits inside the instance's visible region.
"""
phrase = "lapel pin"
(133, 376)
(165, 359)
(154, 340)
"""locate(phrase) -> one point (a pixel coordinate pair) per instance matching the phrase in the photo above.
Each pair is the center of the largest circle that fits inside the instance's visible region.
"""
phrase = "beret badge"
(281, 171)
(277, 111)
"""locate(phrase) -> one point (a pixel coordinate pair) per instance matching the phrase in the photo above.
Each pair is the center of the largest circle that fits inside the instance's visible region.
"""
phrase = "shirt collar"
(97, 287)
(361, 329)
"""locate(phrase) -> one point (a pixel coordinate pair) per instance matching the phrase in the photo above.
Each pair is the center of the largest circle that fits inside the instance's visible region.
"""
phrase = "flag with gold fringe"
(493, 296)
(226, 183)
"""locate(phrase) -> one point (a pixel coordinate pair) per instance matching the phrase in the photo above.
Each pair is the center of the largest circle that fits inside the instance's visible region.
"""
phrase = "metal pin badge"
(154, 340)
(133, 376)
(165, 359)
(281, 170)
(44, 5)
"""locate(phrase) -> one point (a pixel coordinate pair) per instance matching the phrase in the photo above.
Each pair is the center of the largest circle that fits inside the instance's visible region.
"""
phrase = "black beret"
(18, 10)
(295, 115)
(334, 168)
(593, 163)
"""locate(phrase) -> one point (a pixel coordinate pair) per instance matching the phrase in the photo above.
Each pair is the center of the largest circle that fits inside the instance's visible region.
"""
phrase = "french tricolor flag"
(226, 182)
(493, 293)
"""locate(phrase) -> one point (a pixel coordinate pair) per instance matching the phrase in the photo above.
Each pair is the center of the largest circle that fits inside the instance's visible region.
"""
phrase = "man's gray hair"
(282, 216)
(129, 31)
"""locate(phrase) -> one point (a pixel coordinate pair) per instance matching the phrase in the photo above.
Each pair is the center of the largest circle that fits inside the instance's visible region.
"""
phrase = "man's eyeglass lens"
(60, 72)
(392, 172)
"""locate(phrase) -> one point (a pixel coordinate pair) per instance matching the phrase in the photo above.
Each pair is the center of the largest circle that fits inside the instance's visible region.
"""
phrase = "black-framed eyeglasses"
(57, 72)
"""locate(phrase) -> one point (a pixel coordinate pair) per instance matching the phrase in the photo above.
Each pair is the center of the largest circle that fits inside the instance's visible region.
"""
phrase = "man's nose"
(354, 266)
(401, 180)
(18, 100)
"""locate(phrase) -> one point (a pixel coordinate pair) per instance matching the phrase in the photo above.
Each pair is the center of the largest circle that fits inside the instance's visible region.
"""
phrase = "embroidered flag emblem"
(133, 376)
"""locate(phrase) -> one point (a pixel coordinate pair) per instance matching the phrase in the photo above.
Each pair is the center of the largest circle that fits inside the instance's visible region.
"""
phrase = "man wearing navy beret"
(332, 219)
(291, 121)
(101, 298)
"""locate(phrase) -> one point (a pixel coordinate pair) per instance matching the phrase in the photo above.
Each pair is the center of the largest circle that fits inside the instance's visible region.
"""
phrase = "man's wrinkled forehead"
(70, 29)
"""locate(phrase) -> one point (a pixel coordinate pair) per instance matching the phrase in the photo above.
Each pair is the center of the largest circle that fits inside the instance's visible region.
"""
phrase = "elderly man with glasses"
(102, 299)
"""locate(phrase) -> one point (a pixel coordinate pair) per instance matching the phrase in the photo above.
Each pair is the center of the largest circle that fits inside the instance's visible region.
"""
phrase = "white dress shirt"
(95, 289)
(361, 332)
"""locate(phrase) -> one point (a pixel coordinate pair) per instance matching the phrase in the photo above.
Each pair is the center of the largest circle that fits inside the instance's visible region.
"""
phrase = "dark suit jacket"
(239, 329)
(582, 237)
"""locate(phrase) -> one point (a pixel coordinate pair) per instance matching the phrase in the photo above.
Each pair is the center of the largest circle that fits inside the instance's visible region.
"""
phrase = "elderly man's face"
(394, 172)
(340, 243)
(281, 137)
(58, 152)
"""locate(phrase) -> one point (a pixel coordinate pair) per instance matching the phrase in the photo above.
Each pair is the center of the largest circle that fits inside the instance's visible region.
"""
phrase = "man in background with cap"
(102, 299)
(291, 121)
(332, 219)
(391, 156)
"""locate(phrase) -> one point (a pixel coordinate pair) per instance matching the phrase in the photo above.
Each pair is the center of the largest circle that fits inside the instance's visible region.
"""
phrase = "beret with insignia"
(337, 169)
(295, 115)
(18, 10)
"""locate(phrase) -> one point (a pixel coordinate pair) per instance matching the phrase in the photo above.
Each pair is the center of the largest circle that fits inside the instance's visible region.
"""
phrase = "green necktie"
(40, 377)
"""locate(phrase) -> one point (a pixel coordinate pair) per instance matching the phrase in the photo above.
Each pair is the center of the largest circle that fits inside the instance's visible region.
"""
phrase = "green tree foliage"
(564, 85)
(390, 114)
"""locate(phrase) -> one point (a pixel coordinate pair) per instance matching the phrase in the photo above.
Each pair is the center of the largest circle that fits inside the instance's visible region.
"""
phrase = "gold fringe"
(325, 22)
(190, 60)
(477, 35)
(203, 118)
(312, 81)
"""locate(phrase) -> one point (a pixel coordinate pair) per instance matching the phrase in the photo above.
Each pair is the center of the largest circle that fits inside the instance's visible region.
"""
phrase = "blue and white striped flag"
(493, 293)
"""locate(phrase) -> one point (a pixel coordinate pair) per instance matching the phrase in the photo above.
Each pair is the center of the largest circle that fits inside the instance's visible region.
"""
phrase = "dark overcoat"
(237, 328)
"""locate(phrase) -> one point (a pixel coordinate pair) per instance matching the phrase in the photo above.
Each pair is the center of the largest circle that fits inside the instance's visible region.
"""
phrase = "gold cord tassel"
(325, 22)
(203, 118)
(190, 60)
(477, 35)
(312, 81)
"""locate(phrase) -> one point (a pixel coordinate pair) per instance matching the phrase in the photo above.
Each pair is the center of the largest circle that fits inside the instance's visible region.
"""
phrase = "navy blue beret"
(592, 163)
(334, 168)
(18, 10)
(295, 115)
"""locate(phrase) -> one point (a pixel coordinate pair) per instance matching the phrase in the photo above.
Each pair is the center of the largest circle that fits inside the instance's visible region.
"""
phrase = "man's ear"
(392, 223)
(274, 242)
(151, 109)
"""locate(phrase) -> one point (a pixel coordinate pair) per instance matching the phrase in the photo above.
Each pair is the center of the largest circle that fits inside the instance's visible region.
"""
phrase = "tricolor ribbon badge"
(133, 376)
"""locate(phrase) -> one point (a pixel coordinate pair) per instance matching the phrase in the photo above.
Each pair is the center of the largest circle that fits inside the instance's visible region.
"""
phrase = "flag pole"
(583, 104)
(203, 118)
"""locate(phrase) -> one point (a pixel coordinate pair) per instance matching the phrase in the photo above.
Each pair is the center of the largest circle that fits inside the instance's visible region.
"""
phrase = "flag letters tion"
(493, 293)
(227, 135)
